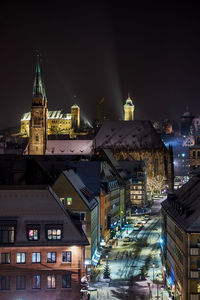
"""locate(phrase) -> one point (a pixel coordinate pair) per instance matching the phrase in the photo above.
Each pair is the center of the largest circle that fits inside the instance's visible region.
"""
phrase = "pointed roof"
(38, 86)
(129, 101)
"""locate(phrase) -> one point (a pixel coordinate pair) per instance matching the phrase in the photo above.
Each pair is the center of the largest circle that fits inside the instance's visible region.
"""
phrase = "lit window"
(66, 256)
(33, 234)
(198, 287)
(69, 201)
(20, 282)
(66, 281)
(5, 258)
(21, 258)
(51, 257)
(36, 257)
(7, 234)
(5, 282)
(36, 283)
(51, 281)
(54, 234)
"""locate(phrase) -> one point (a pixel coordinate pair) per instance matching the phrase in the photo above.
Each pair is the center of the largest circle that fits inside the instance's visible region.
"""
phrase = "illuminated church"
(57, 121)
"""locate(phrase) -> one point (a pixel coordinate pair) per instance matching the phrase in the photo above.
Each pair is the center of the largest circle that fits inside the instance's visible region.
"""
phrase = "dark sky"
(102, 48)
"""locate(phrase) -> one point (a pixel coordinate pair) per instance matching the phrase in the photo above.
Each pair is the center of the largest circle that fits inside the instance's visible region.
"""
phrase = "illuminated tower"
(38, 122)
(129, 110)
(75, 113)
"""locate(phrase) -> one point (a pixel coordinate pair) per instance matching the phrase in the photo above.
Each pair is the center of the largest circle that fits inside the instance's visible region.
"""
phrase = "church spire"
(38, 86)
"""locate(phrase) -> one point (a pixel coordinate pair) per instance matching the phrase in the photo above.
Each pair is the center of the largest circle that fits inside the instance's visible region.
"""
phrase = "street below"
(134, 261)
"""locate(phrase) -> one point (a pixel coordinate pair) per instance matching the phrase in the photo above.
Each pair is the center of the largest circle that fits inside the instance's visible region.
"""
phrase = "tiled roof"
(128, 134)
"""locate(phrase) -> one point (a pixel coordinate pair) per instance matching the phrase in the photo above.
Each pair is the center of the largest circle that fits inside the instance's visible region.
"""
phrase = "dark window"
(33, 234)
(5, 258)
(54, 234)
(36, 257)
(37, 138)
(66, 256)
(5, 282)
(194, 154)
(36, 283)
(36, 120)
(51, 257)
(198, 154)
(20, 282)
(51, 281)
(21, 258)
(7, 234)
(66, 280)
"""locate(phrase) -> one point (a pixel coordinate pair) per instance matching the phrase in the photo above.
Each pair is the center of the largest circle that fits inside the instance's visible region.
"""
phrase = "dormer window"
(7, 234)
(54, 232)
(33, 232)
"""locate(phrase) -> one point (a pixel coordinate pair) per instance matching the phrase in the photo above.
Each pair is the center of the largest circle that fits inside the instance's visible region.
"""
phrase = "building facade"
(181, 241)
(41, 250)
(80, 201)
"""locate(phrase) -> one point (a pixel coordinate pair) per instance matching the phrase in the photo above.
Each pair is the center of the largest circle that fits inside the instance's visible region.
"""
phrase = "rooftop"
(128, 134)
(184, 205)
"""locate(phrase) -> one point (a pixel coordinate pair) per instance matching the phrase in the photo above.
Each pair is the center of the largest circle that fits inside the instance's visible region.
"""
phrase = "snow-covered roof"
(86, 194)
(128, 134)
(52, 114)
(69, 147)
(184, 205)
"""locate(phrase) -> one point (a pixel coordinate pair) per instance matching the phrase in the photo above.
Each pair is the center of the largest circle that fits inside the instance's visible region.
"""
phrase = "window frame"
(35, 262)
(9, 233)
(51, 286)
(33, 287)
(22, 285)
(67, 253)
(52, 262)
(32, 227)
(54, 227)
(7, 254)
(21, 255)
(7, 283)
(67, 275)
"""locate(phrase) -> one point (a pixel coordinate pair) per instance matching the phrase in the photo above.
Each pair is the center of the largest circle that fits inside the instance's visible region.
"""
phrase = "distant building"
(195, 153)
(42, 250)
(137, 140)
(40, 123)
(129, 110)
(180, 241)
(186, 123)
(136, 172)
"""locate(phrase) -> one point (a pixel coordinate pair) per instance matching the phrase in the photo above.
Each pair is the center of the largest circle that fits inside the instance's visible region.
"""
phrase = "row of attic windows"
(8, 233)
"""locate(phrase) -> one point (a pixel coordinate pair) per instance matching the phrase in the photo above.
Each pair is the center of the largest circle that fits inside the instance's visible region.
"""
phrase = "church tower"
(75, 113)
(129, 110)
(38, 123)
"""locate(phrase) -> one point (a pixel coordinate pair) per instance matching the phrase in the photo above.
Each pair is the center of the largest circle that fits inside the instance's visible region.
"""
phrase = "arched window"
(37, 138)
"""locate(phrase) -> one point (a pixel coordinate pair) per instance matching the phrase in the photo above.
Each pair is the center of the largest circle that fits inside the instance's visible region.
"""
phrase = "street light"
(153, 266)
(162, 290)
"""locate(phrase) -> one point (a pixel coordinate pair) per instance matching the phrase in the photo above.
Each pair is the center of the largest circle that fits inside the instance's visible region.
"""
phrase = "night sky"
(95, 49)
